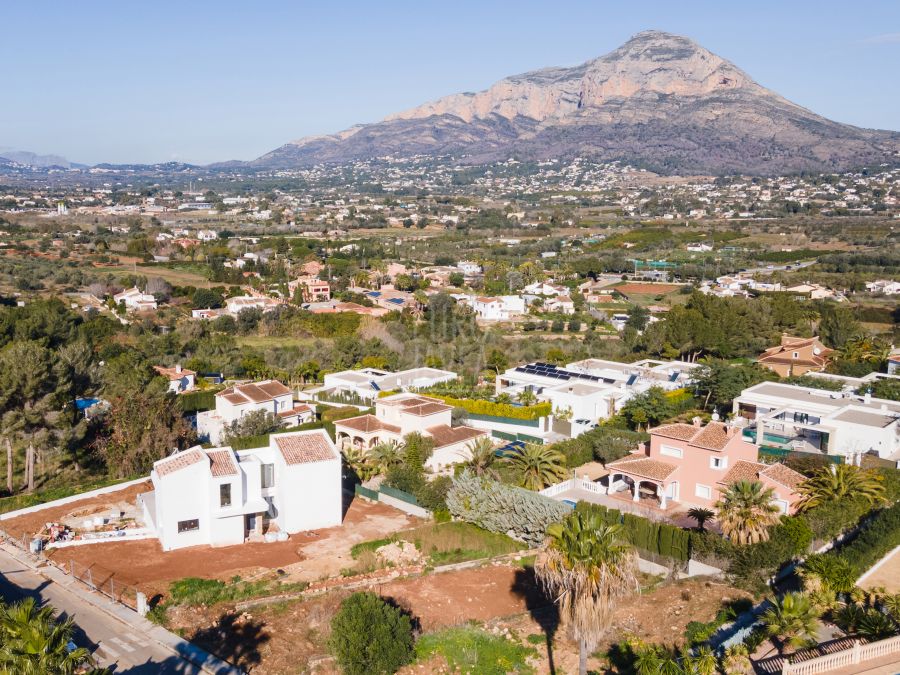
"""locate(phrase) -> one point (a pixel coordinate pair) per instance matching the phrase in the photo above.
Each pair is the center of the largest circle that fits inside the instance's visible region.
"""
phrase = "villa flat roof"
(870, 419)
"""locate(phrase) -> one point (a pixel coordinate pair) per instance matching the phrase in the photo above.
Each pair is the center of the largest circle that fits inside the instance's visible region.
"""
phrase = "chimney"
(697, 422)
(868, 397)
(730, 430)
(178, 368)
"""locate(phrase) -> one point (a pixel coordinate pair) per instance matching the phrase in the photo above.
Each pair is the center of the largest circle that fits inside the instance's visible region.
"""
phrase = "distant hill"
(35, 160)
(660, 101)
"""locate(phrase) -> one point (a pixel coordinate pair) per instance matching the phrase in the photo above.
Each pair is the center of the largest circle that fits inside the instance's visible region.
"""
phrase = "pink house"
(692, 464)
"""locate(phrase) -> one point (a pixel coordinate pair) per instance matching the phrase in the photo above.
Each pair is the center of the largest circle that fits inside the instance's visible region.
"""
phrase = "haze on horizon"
(209, 82)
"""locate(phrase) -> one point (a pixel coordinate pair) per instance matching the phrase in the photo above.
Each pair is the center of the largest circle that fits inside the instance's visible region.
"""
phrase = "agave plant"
(876, 625)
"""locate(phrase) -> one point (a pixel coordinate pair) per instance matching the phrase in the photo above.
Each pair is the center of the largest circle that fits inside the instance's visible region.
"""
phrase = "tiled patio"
(622, 501)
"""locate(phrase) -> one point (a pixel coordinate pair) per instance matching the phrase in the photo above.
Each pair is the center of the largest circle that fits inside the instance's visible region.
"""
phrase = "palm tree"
(358, 460)
(746, 512)
(834, 483)
(538, 466)
(527, 397)
(587, 567)
(701, 515)
(737, 660)
(382, 456)
(34, 641)
(792, 620)
(483, 457)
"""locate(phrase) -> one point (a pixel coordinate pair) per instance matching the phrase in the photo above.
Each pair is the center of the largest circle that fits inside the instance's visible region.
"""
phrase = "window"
(188, 525)
(703, 491)
(267, 478)
(718, 463)
(796, 355)
(225, 494)
(669, 451)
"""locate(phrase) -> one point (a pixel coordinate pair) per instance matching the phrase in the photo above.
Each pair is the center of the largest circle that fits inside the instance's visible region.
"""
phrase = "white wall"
(182, 495)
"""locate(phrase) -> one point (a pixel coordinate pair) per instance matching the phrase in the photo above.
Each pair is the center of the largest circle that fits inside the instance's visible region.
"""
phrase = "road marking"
(113, 654)
(140, 642)
(124, 645)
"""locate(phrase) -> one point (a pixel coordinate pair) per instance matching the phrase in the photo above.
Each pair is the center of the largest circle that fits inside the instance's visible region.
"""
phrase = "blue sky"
(202, 81)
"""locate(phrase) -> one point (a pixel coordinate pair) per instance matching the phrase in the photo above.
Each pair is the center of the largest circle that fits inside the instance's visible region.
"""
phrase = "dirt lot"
(646, 289)
(291, 637)
(888, 575)
(304, 557)
(32, 522)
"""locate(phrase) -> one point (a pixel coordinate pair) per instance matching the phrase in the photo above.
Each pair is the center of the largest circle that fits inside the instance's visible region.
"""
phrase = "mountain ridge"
(659, 100)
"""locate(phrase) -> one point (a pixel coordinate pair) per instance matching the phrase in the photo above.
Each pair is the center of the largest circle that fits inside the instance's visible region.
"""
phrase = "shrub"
(878, 537)
(653, 537)
(368, 635)
(835, 572)
(480, 407)
(605, 444)
(519, 513)
(470, 650)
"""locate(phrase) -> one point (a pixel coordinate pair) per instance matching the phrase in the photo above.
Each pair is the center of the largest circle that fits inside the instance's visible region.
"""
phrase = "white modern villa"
(401, 414)
(235, 402)
(816, 420)
(221, 497)
(592, 389)
(368, 383)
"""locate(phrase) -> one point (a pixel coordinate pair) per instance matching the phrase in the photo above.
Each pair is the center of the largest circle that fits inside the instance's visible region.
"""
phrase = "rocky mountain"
(32, 159)
(659, 101)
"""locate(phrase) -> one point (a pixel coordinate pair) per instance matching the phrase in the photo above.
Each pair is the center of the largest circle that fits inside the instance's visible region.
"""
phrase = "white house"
(884, 287)
(468, 268)
(236, 305)
(815, 420)
(402, 414)
(367, 383)
(207, 235)
(546, 288)
(135, 300)
(180, 379)
(235, 402)
(219, 497)
(561, 303)
(592, 389)
(501, 308)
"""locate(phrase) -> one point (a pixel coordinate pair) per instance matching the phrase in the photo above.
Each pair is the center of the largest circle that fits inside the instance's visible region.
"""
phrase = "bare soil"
(632, 288)
(304, 557)
(292, 636)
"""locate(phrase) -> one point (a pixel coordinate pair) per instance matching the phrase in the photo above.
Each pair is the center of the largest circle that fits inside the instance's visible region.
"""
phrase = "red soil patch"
(145, 565)
(31, 523)
(646, 289)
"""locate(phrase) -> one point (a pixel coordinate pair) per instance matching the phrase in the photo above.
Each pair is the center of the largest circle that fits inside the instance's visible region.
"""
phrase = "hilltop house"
(220, 497)
(402, 414)
(805, 419)
(235, 402)
(311, 289)
(693, 464)
(367, 383)
(498, 309)
(135, 300)
(181, 380)
(796, 356)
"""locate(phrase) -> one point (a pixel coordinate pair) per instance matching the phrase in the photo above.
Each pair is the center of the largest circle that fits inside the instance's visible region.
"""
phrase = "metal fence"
(102, 580)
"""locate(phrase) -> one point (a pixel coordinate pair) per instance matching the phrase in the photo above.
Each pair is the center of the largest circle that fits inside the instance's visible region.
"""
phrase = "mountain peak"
(660, 100)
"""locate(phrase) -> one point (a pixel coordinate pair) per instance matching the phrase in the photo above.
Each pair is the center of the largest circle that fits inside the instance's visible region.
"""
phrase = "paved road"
(113, 643)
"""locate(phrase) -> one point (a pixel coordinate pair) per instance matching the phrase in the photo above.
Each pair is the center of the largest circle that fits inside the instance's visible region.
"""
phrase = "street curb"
(178, 646)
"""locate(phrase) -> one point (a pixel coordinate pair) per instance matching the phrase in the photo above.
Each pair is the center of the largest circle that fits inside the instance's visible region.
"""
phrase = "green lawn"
(469, 649)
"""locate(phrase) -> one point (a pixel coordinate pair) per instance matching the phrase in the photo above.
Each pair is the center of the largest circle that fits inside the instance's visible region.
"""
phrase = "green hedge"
(195, 401)
(661, 539)
(878, 537)
(479, 407)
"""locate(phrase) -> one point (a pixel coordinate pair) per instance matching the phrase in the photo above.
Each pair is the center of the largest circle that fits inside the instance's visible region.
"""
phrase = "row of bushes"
(479, 407)
(878, 537)
(604, 444)
(196, 401)
(646, 535)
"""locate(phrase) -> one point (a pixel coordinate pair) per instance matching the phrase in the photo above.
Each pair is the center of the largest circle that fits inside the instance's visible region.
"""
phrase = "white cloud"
(883, 39)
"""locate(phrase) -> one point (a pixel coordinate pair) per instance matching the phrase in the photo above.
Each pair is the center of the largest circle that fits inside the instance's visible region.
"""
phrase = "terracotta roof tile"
(304, 448)
(444, 435)
(643, 467)
(296, 410)
(714, 436)
(742, 470)
(683, 432)
(222, 463)
(366, 424)
(784, 475)
(173, 373)
(179, 461)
